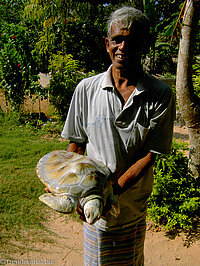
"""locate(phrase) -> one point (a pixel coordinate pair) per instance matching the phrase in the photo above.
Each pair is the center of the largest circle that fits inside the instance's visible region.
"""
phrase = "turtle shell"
(71, 173)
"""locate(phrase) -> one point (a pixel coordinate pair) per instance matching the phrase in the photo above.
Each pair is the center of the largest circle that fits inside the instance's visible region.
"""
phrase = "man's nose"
(122, 45)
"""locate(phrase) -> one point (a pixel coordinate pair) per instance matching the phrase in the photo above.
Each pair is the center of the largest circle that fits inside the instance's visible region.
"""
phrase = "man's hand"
(134, 173)
(47, 190)
(77, 147)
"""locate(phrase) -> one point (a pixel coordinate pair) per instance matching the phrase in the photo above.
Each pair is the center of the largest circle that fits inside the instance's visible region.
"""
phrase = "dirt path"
(66, 247)
(181, 133)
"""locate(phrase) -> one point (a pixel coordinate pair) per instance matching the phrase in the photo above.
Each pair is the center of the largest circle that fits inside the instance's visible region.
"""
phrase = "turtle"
(75, 179)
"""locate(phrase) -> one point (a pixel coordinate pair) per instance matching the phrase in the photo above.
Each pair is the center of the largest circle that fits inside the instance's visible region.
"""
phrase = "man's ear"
(107, 44)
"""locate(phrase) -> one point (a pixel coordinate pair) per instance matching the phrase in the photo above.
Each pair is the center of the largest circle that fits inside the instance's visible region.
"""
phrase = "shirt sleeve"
(159, 137)
(74, 126)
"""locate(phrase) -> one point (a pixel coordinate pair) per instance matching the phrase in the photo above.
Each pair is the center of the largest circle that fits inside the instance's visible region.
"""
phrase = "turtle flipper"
(62, 203)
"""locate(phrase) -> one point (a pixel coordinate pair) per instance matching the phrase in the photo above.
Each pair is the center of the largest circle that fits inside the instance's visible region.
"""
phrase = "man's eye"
(117, 41)
(113, 41)
(120, 40)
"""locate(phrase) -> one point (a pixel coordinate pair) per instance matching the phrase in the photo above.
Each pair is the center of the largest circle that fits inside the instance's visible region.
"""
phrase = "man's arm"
(131, 176)
(134, 173)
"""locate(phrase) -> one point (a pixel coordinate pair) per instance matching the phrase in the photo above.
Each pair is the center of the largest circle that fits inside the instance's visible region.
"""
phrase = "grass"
(20, 209)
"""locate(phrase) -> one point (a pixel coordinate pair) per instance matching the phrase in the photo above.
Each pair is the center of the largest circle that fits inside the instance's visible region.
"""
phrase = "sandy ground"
(67, 247)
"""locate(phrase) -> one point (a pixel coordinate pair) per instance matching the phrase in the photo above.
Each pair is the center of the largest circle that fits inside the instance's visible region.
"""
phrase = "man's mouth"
(121, 56)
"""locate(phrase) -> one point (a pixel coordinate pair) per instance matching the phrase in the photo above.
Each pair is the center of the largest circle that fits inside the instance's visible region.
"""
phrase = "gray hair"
(133, 19)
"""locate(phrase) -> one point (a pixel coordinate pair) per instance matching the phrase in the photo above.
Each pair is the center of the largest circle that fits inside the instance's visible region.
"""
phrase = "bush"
(174, 201)
(17, 62)
(196, 78)
(65, 76)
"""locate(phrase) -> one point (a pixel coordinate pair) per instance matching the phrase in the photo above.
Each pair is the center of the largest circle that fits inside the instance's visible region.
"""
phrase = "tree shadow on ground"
(181, 136)
(191, 236)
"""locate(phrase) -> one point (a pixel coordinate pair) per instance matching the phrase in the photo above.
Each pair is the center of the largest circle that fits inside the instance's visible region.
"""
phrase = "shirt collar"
(142, 84)
(107, 81)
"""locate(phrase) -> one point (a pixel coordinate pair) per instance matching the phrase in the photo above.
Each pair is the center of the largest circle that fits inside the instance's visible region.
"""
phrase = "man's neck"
(125, 82)
(129, 77)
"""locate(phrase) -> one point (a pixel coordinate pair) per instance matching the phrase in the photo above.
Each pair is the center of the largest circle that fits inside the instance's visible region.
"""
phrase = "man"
(122, 117)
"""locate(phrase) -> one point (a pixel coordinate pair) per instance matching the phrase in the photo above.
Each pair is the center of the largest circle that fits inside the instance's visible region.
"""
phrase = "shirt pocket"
(137, 136)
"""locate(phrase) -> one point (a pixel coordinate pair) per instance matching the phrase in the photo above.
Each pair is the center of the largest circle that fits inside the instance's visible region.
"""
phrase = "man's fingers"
(82, 218)
(47, 190)
(81, 213)
(79, 210)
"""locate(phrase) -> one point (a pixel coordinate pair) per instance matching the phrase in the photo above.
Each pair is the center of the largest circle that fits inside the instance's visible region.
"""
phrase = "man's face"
(123, 48)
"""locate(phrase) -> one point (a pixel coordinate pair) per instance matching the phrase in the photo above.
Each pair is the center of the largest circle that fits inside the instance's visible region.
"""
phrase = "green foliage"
(89, 42)
(11, 10)
(164, 59)
(64, 78)
(175, 200)
(50, 128)
(17, 63)
(36, 92)
(163, 16)
(196, 78)
(46, 42)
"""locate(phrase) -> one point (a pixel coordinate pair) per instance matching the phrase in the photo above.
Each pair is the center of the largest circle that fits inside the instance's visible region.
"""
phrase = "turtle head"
(93, 210)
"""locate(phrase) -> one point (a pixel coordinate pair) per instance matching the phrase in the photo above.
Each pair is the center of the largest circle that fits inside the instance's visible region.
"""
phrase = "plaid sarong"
(124, 247)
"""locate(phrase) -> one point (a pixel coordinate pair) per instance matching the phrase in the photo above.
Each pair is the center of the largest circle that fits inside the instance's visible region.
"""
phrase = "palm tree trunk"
(188, 102)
